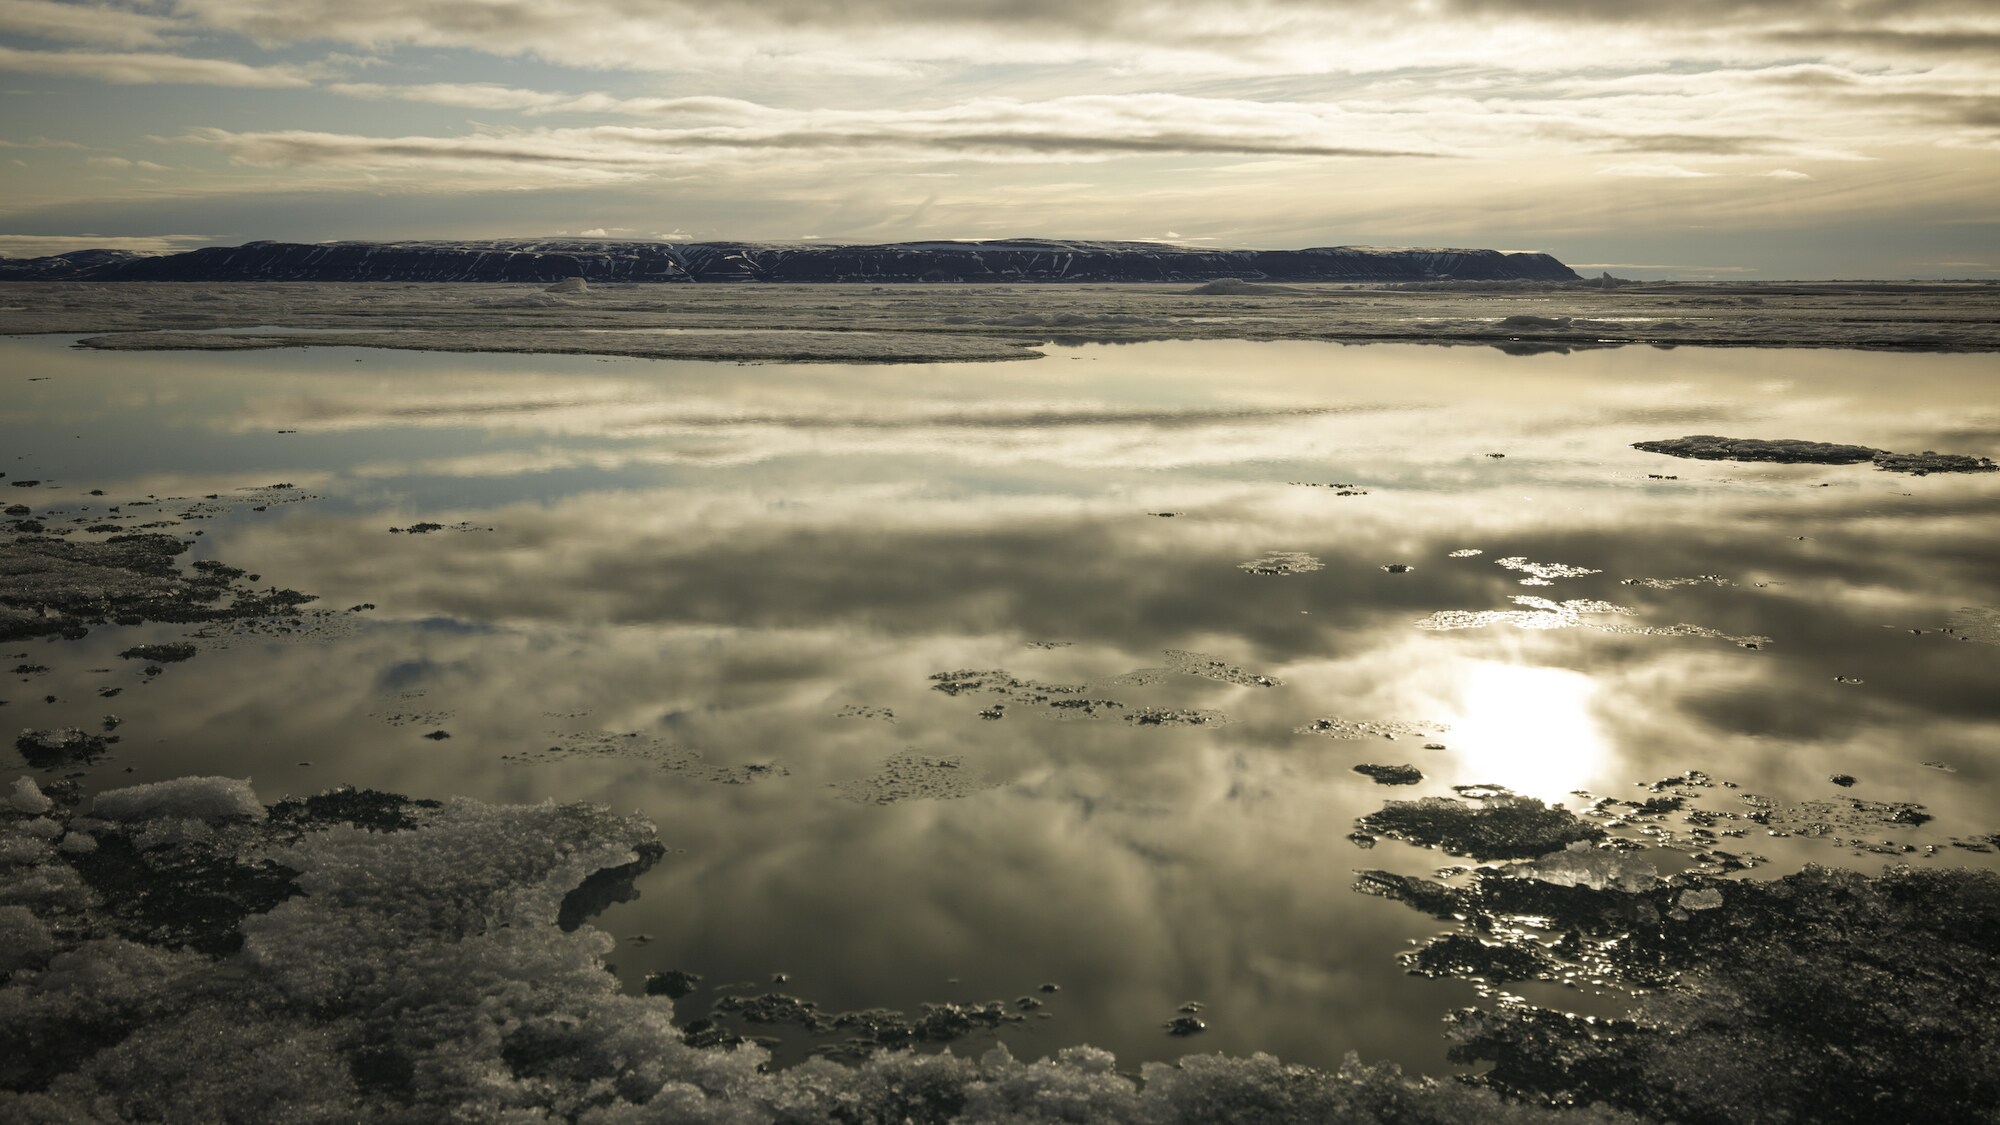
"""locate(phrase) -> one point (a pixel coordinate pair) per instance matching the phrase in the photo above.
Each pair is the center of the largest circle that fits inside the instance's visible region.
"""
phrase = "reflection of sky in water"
(723, 558)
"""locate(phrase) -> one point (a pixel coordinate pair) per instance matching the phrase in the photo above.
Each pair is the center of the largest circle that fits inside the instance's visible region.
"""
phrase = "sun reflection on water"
(1530, 729)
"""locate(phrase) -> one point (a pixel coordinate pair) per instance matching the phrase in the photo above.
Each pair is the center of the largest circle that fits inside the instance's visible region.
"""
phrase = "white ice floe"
(196, 798)
(28, 797)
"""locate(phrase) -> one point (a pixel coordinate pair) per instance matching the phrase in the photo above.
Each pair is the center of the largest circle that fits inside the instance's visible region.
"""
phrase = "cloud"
(990, 129)
(890, 37)
(40, 245)
(1082, 124)
(1652, 171)
(121, 162)
(488, 95)
(1698, 144)
(83, 23)
(1785, 174)
(148, 69)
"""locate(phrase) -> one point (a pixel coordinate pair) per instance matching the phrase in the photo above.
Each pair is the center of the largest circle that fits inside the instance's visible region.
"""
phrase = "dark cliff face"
(1013, 260)
(58, 267)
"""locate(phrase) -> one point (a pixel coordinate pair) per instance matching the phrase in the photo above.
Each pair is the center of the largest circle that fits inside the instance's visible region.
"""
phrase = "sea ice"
(28, 797)
(195, 798)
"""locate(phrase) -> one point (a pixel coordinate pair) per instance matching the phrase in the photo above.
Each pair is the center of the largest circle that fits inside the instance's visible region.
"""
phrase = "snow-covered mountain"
(55, 267)
(1004, 260)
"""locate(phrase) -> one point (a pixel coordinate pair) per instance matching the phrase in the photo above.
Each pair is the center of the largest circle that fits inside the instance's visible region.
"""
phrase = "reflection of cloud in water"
(728, 578)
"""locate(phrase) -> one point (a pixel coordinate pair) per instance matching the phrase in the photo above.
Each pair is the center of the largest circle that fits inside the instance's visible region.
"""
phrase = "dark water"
(721, 592)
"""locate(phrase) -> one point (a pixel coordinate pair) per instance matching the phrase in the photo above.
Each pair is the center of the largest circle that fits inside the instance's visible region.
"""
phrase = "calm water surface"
(722, 592)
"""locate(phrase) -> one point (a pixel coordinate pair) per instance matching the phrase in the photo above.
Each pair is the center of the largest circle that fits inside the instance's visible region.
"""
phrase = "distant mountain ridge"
(60, 267)
(1000, 260)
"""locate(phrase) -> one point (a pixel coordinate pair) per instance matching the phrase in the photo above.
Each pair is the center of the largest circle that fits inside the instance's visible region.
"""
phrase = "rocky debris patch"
(1370, 728)
(863, 1033)
(1676, 583)
(1469, 958)
(171, 653)
(403, 712)
(1283, 563)
(1175, 716)
(1200, 664)
(1710, 447)
(633, 746)
(371, 810)
(1927, 462)
(1842, 821)
(306, 626)
(56, 586)
(48, 749)
(858, 711)
(672, 983)
(915, 776)
(1679, 819)
(1391, 775)
(1063, 702)
(1501, 826)
(1825, 996)
(427, 526)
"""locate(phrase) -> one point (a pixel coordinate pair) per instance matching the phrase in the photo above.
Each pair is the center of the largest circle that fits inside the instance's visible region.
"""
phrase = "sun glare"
(1529, 729)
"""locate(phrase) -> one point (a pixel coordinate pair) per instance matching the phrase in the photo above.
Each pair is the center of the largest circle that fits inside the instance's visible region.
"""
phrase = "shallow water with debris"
(948, 682)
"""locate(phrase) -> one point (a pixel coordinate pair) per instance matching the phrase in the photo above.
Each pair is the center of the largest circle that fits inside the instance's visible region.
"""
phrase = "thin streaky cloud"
(149, 69)
(104, 24)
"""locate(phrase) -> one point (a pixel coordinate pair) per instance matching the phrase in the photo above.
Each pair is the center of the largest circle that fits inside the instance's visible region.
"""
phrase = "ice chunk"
(21, 848)
(1583, 864)
(1700, 898)
(25, 941)
(42, 828)
(200, 798)
(28, 797)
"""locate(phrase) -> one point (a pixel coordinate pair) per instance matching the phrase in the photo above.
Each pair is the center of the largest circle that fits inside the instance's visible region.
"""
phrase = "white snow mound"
(199, 798)
(28, 797)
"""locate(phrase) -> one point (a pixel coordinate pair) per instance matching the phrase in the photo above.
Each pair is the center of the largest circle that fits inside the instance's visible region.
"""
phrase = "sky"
(1718, 139)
